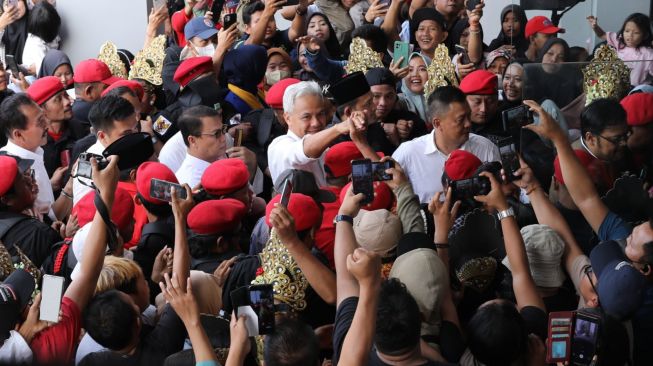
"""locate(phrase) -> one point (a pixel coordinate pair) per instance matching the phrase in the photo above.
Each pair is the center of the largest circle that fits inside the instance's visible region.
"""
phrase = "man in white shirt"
(112, 118)
(204, 135)
(423, 158)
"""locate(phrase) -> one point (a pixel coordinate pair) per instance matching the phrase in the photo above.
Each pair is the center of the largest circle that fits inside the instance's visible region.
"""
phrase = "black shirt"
(280, 40)
(52, 149)
(81, 109)
(32, 236)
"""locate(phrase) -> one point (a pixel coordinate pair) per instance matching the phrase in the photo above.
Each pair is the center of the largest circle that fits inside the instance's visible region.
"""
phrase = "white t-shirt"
(287, 152)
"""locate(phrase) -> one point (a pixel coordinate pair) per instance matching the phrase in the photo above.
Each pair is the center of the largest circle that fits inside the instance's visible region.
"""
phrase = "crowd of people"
(374, 185)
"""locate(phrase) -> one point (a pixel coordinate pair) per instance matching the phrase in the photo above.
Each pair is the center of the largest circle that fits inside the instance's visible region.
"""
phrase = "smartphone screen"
(517, 117)
(261, 299)
(586, 332)
(509, 158)
(402, 49)
(379, 169)
(362, 180)
(471, 4)
(560, 327)
(12, 65)
(464, 57)
(285, 193)
(159, 3)
(51, 294)
(161, 190)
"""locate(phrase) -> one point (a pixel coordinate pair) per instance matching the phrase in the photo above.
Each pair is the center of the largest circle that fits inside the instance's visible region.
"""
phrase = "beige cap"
(544, 248)
(378, 230)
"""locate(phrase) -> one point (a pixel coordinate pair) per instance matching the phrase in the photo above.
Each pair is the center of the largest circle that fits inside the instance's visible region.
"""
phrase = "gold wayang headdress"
(361, 57)
(109, 55)
(606, 76)
(441, 71)
(148, 63)
(281, 271)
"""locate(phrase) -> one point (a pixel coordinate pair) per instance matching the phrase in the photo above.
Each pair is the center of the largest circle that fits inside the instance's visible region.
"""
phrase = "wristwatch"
(346, 218)
(506, 213)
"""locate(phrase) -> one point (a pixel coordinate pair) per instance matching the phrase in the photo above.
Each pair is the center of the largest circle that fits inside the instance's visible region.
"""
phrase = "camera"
(84, 169)
(515, 118)
(466, 189)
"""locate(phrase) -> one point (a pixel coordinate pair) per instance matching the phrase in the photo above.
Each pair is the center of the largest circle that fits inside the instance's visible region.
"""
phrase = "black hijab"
(53, 58)
(15, 36)
(332, 45)
(520, 43)
(550, 43)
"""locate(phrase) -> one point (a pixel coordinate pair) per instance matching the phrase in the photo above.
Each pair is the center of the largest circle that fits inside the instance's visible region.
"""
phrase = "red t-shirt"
(325, 236)
(140, 214)
(58, 343)
(178, 21)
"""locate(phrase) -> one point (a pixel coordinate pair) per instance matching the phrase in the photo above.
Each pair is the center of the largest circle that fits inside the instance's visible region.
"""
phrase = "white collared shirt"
(15, 350)
(423, 163)
(287, 152)
(80, 190)
(191, 170)
(45, 198)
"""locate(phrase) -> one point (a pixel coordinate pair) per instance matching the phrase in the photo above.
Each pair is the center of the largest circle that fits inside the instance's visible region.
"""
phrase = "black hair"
(108, 319)
(398, 319)
(575, 54)
(613, 346)
(120, 91)
(200, 246)
(373, 34)
(642, 22)
(293, 343)
(440, 100)
(332, 44)
(108, 110)
(251, 9)
(550, 43)
(601, 114)
(162, 210)
(44, 21)
(190, 121)
(11, 116)
(497, 334)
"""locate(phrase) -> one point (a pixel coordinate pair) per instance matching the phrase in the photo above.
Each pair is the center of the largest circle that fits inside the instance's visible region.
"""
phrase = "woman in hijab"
(513, 25)
(13, 26)
(56, 63)
(412, 86)
(244, 69)
(319, 26)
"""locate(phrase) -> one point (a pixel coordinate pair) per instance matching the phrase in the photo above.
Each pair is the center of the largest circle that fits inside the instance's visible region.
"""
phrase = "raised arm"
(181, 254)
(391, 22)
(475, 46)
(258, 31)
(444, 218)
(226, 39)
(345, 244)
(522, 281)
(579, 184)
(594, 23)
(298, 26)
(408, 207)
(416, 4)
(156, 18)
(316, 144)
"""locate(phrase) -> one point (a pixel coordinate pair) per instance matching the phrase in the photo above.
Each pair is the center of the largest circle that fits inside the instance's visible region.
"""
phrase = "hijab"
(15, 36)
(520, 43)
(51, 61)
(245, 67)
(550, 43)
(416, 100)
(332, 45)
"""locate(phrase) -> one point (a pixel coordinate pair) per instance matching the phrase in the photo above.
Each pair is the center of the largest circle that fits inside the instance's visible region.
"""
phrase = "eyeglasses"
(29, 173)
(217, 133)
(587, 271)
(619, 139)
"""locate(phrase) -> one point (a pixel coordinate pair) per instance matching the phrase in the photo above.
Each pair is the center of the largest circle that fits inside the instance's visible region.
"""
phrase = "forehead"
(276, 58)
(429, 24)
(211, 121)
(31, 111)
(381, 89)
(457, 109)
(417, 61)
(514, 69)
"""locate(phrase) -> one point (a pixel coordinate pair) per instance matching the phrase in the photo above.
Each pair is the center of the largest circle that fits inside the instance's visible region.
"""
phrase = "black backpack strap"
(265, 123)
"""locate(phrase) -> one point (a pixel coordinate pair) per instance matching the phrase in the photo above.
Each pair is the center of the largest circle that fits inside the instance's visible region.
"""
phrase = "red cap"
(93, 71)
(9, 169)
(302, 208)
(135, 86)
(461, 164)
(225, 176)
(144, 175)
(639, 108)
(44, 88)
(122, 212)
(216, 217)
(191, 68)
(541, 24)
(338, 158)
(383, 198)
(586, 160)
(479, 82)
(274, 96)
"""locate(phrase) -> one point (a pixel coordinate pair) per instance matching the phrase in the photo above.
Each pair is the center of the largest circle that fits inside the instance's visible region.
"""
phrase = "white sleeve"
(284, 153)
(34, 52)
(15, 350)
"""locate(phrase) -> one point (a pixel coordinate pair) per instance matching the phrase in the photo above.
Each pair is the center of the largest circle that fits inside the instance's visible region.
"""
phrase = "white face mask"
(272, 77)
(207, 50)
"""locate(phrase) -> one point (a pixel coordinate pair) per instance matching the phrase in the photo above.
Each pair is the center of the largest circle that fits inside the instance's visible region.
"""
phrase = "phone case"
(401, 49)
(561, 325)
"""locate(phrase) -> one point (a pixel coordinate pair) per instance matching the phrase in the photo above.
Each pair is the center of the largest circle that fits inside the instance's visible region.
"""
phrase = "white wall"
(87, 24)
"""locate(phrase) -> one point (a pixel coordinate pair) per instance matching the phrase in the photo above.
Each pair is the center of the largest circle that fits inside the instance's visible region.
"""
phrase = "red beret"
(216, 217)
(461, 164)
(225, 176)
(274, 96)
(144, 175)
(121, 214)
(93, 71)
(586, 160)
(135, 86)
(9, 169)
(44, 88)
(191, 68)
(302, 208)
(479, 82)
(639, 108)
(383, 197)
(338, 158)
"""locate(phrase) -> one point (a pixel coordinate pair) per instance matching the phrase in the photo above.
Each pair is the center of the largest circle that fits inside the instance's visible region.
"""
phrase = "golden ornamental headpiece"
(477, 273)
(148, 63)
(109, 55)
(281, 271)
(606, 76)
(441, 71)
(361, 57)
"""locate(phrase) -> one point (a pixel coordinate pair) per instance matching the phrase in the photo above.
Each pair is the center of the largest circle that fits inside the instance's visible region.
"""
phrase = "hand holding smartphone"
(51, 294)
(228, 20)
(362, 179)
(161, 190)
(285, 193)
(402, 49)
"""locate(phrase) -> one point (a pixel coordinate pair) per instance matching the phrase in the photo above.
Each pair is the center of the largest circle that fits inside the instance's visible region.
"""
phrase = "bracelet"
(442, 245)
(69, 196)
(532, 190)
(474, 32)
(300, 10)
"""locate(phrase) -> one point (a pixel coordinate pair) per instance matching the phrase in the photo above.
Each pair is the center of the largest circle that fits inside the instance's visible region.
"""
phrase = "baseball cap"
(303, 182)
(94, 71)
(10, 166)
(620, 285)
(200, 27)
(541, 24)
(378, 231)
(15, 294)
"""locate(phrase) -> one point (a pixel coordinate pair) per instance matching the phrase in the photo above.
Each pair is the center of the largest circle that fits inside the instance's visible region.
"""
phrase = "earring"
(151, 102)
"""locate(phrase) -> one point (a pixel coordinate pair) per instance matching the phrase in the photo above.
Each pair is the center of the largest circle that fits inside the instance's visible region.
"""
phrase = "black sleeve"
(34, 238)
(536, 321)
(168, 336)
(452, 343)
(344, 317)
(285, 41)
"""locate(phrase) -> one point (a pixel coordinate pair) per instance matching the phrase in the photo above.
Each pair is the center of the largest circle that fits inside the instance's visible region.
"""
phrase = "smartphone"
(159, 3)
(471, 4)
(51, 294)
(464, 56)
(561, 325)
(291, 2)
(285, 193)
(261, 299)
(516, 117)
(379, 169)
(11, 3)
(64, 156)
(161, 190)
(586, 333)
(362, 179)
(239, 138)
(229, 20)
(466, 189)
(509, 158)
(402, 49)
(12, 65)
